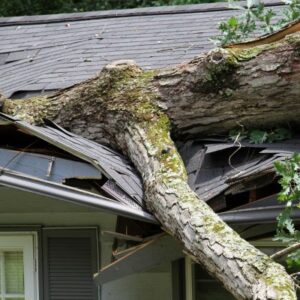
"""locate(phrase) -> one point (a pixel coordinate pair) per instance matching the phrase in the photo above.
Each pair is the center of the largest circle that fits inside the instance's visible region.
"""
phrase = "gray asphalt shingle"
(125, 183)
(57, 51)
(227, 168)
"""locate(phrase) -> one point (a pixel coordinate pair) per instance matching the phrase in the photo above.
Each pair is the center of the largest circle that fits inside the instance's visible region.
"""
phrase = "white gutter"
(66, 193)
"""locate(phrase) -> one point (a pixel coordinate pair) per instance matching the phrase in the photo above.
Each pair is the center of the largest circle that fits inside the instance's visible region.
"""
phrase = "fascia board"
(70, 194)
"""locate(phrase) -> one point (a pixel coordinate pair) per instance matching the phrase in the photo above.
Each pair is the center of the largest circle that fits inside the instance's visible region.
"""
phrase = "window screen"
(11, 275)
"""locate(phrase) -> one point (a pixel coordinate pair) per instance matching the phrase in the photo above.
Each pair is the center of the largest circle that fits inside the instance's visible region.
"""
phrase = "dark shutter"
(69, 263)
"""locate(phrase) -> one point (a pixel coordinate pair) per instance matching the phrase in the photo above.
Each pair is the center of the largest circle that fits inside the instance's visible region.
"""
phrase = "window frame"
(262, 244)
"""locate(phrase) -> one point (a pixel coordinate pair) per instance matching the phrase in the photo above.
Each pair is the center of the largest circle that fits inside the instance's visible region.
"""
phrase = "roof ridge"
(134, 12)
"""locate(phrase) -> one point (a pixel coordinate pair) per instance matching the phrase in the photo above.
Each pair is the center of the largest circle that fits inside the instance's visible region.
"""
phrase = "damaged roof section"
(79, 163)
(46, 167)
(227, 176)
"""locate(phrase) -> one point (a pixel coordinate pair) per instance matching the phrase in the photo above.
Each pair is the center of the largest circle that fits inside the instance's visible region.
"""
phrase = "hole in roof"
(12, 138)
(28, 94)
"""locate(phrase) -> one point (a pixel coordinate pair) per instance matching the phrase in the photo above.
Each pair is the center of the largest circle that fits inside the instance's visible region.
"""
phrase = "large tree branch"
(255, 87)
(136, 111)
(215, 92)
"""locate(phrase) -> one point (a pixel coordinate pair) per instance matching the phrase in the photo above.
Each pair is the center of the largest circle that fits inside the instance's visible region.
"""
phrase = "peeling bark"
(136, 111)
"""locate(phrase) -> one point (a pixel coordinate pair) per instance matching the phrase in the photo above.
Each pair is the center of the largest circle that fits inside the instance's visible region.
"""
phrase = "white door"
(17, 268)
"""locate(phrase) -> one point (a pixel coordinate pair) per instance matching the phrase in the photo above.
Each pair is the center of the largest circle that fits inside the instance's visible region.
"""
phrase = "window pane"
(206, 288)
(14, 272)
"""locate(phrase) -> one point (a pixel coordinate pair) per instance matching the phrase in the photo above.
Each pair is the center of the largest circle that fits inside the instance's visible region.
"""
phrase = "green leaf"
(290, 227)
(233, 22)
(279, 134)
(297, 236)
(258, 136)
(293, 259)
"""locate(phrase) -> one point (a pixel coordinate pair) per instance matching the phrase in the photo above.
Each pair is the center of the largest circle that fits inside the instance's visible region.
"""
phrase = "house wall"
(68, 219)
(146, 286)
(22, 208)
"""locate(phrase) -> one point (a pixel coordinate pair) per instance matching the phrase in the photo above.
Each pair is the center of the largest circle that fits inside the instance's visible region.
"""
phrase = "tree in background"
(139, 109)
(34, 7)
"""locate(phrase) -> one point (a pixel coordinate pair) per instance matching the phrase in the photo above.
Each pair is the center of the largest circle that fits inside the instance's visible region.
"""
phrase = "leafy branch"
(255, 17)
(258, 136)
(285, 251)
(289, 172)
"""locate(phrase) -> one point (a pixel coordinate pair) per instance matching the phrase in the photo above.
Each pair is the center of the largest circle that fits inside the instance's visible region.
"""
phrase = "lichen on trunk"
(137, 111)
(245, 271)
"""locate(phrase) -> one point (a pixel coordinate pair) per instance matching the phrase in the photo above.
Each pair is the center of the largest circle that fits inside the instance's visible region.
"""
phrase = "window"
(17, 268)
(201, 286)
(207, 288)
(191, 282)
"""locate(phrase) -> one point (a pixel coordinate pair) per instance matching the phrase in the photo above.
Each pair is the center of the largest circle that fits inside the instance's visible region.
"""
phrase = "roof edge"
(134, 12)
(62, 192)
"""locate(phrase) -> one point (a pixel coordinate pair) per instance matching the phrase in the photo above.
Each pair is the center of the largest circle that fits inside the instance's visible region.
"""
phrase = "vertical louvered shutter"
(70, 261)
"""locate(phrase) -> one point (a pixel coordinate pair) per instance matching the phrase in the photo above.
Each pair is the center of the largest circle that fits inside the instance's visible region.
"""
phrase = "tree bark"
(136, 111)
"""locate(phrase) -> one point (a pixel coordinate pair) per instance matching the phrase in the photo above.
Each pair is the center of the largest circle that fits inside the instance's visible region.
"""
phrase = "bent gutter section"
(258, 215)
(69, 194)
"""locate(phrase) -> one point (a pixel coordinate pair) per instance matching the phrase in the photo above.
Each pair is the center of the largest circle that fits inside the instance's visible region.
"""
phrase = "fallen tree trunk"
(136, 111)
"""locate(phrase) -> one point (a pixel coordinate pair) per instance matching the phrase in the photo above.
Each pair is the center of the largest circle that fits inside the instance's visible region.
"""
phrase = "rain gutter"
(69, 194)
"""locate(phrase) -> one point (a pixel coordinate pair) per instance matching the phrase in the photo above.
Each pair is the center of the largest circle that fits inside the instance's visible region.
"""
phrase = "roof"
(215, 168)
(122, 186)
(44, 53)
(218, 171)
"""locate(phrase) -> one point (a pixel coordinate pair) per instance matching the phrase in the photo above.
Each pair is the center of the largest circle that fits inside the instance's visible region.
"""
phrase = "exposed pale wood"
(286, 251)
(122, 236)
(118, 254)
(148, 255)
(270, 38)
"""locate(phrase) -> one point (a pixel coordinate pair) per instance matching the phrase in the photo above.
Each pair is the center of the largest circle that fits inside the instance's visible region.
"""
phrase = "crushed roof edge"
(134, 12)
(257, 215)
(69, 194)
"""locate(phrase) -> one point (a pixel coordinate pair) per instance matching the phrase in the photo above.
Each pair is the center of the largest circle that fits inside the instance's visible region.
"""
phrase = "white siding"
(146, 286)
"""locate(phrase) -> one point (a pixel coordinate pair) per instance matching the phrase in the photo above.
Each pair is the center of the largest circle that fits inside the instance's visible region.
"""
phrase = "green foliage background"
(34, 7)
